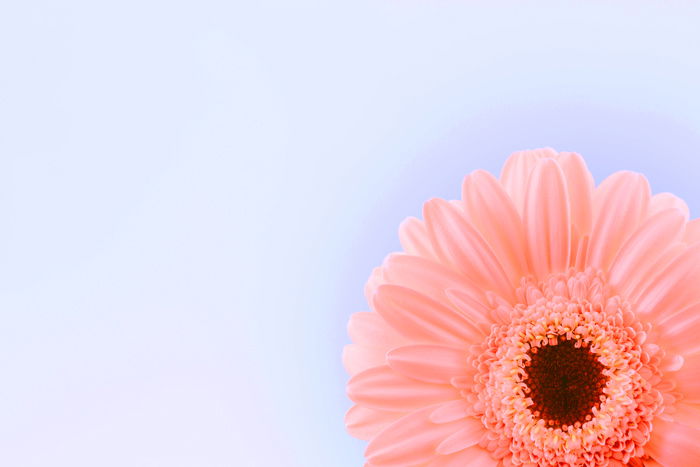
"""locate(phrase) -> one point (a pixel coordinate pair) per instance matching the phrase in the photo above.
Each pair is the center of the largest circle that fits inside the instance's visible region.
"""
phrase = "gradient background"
(192, 195)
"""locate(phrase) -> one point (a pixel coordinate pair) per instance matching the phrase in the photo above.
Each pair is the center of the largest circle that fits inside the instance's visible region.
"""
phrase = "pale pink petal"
(364, 423)
(662, 201)
(368, 327)
(359, 357)
(471, 306)
(516, 172)
(385, 389)
(687, 414)
(451, 411)
(547, 219)
(458, 243)
(409, 441)
(470, 457)
(639, 253)
(687, 379)
(414, 238)
(620, 203)
(422, 319)
(692, 231)
(467, 436)
(679, 331)
(426, 276)
(674, 445)
(580, 185)
(429, 363)
(674, 288)
(491, 211)
(374, 281)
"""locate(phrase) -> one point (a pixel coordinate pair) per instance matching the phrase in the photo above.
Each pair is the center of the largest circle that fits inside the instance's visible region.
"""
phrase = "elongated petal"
(674, 288)
(422, 319)
(451, 411)
(467, 436)
(662, 201)
(367, 327)
(620, 203)
(673, 444)
(580, 184)
(458, 243)
(409, 441)
(415, 239)
(473, 457)
(385, 389)
(359, 357)
(516, 172)
(492, 212)
(692, 232)
(547, 219)
(429, 363)
(363, 422)
(639, 253)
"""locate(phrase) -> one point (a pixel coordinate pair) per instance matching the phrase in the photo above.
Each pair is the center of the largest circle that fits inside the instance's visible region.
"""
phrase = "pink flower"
(539, 321)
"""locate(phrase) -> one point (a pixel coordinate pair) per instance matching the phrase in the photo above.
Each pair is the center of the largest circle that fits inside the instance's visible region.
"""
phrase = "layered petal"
(415, 239)
(547, 219)
(423, 319)
(473, 457)
(459, 244)
(516, 172)
(492, 212)
(364, 423)
(620, 203)
(410, 440)
(429, 363)
(673, 444)
(580, 185)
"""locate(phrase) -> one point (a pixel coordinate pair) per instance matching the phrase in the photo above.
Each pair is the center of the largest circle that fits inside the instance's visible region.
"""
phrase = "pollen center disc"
(565, 383)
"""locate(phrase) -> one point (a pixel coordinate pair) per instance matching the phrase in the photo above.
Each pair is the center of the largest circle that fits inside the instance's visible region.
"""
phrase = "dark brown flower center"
(564, 382)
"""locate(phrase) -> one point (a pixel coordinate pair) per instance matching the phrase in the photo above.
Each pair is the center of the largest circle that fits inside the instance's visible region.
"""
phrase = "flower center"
(565, 382)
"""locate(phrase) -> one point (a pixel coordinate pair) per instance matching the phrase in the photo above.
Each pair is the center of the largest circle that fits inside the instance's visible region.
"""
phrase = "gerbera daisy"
(538, 321)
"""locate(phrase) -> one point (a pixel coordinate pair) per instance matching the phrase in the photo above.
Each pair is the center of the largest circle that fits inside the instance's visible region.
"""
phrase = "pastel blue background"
(192, 195)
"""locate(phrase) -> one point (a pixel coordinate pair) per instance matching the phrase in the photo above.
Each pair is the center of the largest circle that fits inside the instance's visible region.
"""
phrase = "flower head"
(539, 321)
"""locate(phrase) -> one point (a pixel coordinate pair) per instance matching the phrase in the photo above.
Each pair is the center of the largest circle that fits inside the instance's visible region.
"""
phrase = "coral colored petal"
(368, 327)
(458, 243)
(692, 231)
(679, 331)
(364, 423)
(580, 184)
(547, 220)
(491, 211)
(672, 444)
(374, 281)
(418, 317)
(425, 276)
(687, 414)
(467, 436)
(663, 201)
(429, 363)
(451, 411)
(409, 441)
(472, 457)
(687, 380)
(414, 238)
(674, 288)
(639, 253)
(359, 357)
(620, 203)
(384, 389)
(516, 172)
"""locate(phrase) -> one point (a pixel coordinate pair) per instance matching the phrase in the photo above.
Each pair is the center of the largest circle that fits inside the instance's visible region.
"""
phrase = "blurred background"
(192, 195)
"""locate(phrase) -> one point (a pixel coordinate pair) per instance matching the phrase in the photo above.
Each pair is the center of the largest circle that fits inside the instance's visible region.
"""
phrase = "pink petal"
(367, 327)
(458, 243)
(672, 444)
(687, 380)
(491, 211)
(414, 238)
(580, 184)
(364, 423)
(688, 414)
(384, 389)
(425, 276)
(471, 305)
(620, 203)
(423, 319)
(662, 201)
(679, 331)
(471, 457)
(674, 288)
(639, 253)
(429, 363)
(451, 411)
(692, 231)
(467, 436)
(547, 220)
(359, 357)
(409, 441)
(376, 278)
(516, 172)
